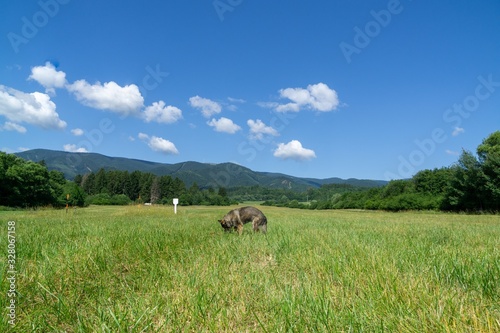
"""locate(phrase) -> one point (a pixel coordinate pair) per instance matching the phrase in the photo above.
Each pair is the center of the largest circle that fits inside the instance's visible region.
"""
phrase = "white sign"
(176, 202)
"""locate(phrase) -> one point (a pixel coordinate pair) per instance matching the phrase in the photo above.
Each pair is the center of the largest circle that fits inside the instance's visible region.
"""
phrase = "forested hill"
(204, 174)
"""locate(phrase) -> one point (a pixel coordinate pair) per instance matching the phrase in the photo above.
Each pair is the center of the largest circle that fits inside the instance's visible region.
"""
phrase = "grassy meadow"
(144, 269)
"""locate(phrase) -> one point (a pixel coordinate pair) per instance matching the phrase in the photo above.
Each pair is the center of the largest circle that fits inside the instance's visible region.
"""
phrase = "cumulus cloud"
(258, 129)
(74, 149)
(224, 125)
(316, 97)
(160, 113)
(124, 100)
(32, 108)
(457, 131)
(293, 150)
(159, 144)
(77, 131)
(208, 107)
(108, 96)
(8, 126)
(48, 77)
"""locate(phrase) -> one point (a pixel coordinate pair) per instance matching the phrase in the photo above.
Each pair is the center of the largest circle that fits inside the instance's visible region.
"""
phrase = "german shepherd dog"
(237, 217)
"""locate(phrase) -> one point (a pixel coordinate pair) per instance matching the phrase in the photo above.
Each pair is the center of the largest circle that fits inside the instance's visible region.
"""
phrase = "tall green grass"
(144, 269)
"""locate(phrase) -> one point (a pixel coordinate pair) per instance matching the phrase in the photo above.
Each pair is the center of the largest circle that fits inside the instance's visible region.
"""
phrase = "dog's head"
(225, 224)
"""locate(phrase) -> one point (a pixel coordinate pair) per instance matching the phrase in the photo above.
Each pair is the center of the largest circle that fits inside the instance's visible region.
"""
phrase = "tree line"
(472, 184)
(115, 187)
(28, 184)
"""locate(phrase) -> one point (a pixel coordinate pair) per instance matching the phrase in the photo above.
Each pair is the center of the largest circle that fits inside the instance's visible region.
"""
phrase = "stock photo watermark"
(94, 138)
(152, 80)
(250, 148)
(223, 6)
(453, 116)
(11, 273)
(371, 29)
(31, 26)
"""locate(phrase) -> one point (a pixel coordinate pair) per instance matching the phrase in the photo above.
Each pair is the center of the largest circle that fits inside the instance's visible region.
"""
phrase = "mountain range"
(204, 174)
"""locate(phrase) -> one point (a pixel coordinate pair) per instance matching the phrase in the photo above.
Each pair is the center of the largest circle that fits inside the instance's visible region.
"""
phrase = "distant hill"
(204, 174)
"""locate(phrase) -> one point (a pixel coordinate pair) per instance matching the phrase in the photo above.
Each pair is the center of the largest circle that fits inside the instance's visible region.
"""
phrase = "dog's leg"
(255, 225)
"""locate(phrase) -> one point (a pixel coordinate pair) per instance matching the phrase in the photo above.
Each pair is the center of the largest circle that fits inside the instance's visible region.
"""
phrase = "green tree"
(155, 190)
(178, 187)
(101, 181)
(76, 195)
(134, 185)
(166, 192)
(78, 180)
(88, 183)
(57, 183)
(7, 183)
(146, 181)
(466, 189)
(29, 185)
(489, 157)
(222, 192)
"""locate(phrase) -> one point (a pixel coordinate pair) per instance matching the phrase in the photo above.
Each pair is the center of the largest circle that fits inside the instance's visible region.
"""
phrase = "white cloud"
(34, 108)
(207, 106)
(293, 150)
(108, 96)
(258, 129)
(289, 107)
(74, 149)
(316, 97)
(162, 145)
(48, 77)
(451, 152)
(8, 126)
(457, 131)
(159, 144)
(236, 100)
(124, 100)
(160, 113)
(77, 131)
(224, 125)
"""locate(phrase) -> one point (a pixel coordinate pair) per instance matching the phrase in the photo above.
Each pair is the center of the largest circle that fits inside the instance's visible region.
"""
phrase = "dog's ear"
(220, 221)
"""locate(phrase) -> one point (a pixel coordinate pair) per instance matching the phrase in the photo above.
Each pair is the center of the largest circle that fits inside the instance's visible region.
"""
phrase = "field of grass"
(144, 269)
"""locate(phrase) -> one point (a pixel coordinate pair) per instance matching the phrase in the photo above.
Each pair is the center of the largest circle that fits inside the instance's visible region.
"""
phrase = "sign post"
(176, 202)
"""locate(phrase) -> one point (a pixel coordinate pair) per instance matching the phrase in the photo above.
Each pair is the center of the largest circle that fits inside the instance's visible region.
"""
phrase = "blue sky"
(350, 89)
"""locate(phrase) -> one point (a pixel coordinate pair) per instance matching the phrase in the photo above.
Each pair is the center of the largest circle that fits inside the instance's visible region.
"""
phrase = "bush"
(120, 199)
(99, 199)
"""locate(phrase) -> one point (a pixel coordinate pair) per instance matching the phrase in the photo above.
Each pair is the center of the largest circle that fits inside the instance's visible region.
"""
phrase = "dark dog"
(237, 217)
